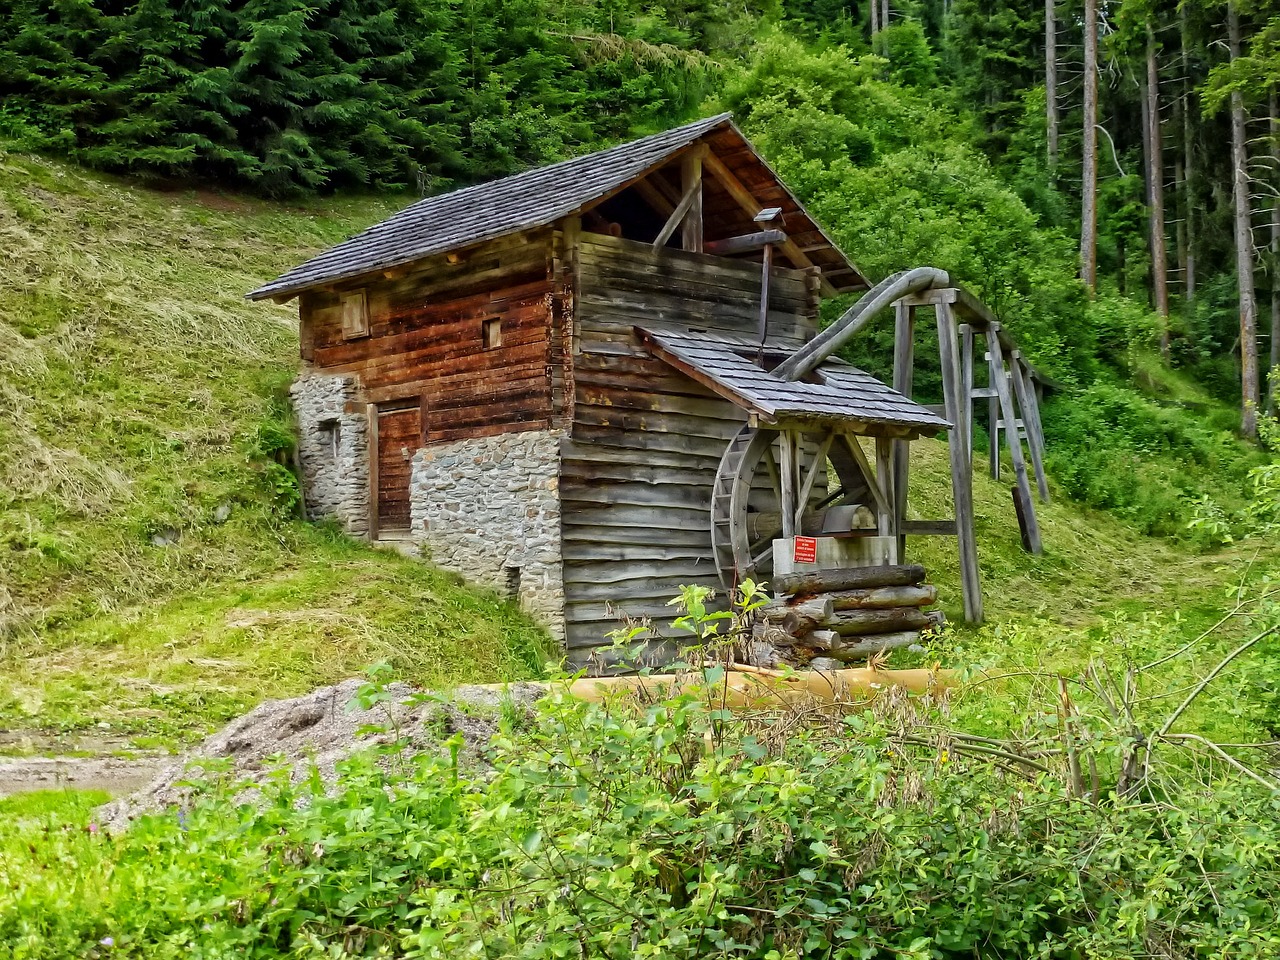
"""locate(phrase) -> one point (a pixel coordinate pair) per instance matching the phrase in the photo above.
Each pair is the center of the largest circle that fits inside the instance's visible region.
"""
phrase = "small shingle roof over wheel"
(838, 391)
(528, 200)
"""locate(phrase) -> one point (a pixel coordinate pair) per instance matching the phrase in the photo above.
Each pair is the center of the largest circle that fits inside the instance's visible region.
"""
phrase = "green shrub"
(1111, 447)
(671, 830)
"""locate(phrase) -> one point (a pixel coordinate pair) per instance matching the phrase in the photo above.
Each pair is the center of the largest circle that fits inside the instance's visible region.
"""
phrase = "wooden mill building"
(559, 384)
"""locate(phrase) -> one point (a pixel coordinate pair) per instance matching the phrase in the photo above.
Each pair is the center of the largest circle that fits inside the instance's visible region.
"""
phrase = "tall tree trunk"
(1181, 207)
(1244, 245)
(1155, 194)
(1089, 177)
(1188, 153)
(1273, 373)
(1051, 81)
(875, 20)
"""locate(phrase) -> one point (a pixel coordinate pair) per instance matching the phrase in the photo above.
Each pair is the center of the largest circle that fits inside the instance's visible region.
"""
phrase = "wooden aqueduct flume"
(772, 481)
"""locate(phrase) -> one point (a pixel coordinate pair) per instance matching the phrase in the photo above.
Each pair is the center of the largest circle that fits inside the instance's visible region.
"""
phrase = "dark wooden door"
(399, 435)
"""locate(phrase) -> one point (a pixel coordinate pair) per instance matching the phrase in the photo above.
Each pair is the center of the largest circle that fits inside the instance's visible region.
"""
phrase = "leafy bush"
(672, 829)
(1110, 447)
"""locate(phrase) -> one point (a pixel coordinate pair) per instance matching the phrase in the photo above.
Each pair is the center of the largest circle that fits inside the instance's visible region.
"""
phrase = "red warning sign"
(806, 550)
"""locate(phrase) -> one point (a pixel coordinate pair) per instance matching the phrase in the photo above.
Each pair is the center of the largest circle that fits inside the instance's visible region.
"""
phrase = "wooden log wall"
(641, 458)
(425, 340)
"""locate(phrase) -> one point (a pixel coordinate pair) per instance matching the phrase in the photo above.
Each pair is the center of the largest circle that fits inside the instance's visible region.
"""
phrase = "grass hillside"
(152, 577)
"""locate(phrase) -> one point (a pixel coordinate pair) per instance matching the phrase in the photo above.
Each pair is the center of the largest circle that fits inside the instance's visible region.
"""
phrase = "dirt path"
(118, 776)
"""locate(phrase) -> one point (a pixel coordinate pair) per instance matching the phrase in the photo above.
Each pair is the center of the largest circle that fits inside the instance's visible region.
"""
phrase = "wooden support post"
(886, 519)
(765, 272)
(966, 386)
(787, 468)
(993, 422)
(904, 347)
(1030, 419)
(691, 182)
(961, 466)
(1012, 439)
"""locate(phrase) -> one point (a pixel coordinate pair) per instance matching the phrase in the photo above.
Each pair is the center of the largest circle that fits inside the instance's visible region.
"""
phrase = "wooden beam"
(748, 202)
(747, 243)
(1031, 420)
(869, 475)
(961, 467)
(654, 197)
(930, 298)
(692, 195)
(1012, 440)
(787, 468)
(966, 386)
(886, 520)
(930, 528)
(691, 233)
(904, 352)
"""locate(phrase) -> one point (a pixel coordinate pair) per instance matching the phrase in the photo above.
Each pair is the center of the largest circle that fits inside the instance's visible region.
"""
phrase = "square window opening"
(331, 436)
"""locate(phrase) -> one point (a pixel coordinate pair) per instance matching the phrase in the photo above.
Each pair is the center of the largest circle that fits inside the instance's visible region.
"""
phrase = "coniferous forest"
(1130, 144)
(1093, 772)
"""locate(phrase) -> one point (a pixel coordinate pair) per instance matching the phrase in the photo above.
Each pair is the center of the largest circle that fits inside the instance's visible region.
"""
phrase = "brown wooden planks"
(399, 435)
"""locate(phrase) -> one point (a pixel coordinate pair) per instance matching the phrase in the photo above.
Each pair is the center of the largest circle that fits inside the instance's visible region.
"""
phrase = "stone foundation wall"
(333, 450)
(489, 509)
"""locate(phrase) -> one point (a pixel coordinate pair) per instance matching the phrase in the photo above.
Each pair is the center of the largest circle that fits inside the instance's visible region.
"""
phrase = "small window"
(355, 315)
(492, 333)
(331, 436)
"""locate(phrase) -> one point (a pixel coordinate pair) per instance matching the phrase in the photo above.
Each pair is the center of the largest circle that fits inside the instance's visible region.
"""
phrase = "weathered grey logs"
(848, 649)
(844, 615)
(850, 623)
(876, 598)
(847, 578)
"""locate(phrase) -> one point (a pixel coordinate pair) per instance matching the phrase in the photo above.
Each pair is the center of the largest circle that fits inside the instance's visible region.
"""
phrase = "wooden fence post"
(1011, 436)
(904, 351)
(961, 466)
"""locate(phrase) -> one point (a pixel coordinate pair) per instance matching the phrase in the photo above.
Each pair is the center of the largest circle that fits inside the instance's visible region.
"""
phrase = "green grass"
(137, 387)
(1093, 564)
(52, 807)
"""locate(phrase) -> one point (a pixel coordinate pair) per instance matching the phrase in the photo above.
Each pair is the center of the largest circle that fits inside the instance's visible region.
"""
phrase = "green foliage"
(1113, 448)
(882, 166)
(993, 56)
(283, 97)
(668, 829)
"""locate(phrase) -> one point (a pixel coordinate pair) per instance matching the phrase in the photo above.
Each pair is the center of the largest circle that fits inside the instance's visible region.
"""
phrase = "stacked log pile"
(845, 615)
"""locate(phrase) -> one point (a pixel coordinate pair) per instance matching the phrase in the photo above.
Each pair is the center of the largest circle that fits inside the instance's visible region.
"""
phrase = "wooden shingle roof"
(545, 195)
(726, 365)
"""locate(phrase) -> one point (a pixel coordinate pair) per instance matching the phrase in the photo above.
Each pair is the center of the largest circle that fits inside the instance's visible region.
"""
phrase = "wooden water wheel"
(780, 482)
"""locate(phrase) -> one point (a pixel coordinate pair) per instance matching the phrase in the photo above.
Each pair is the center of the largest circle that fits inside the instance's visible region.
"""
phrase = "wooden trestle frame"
(1012, 394)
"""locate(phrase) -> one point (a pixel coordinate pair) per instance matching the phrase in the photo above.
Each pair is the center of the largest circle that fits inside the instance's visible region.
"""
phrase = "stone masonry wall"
(489, 508)
(333, 450)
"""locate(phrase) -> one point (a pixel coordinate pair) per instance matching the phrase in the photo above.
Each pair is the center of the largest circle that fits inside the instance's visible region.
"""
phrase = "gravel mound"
(322, 728)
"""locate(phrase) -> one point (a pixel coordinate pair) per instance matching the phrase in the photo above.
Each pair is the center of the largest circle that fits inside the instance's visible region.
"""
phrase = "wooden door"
(398, 434)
